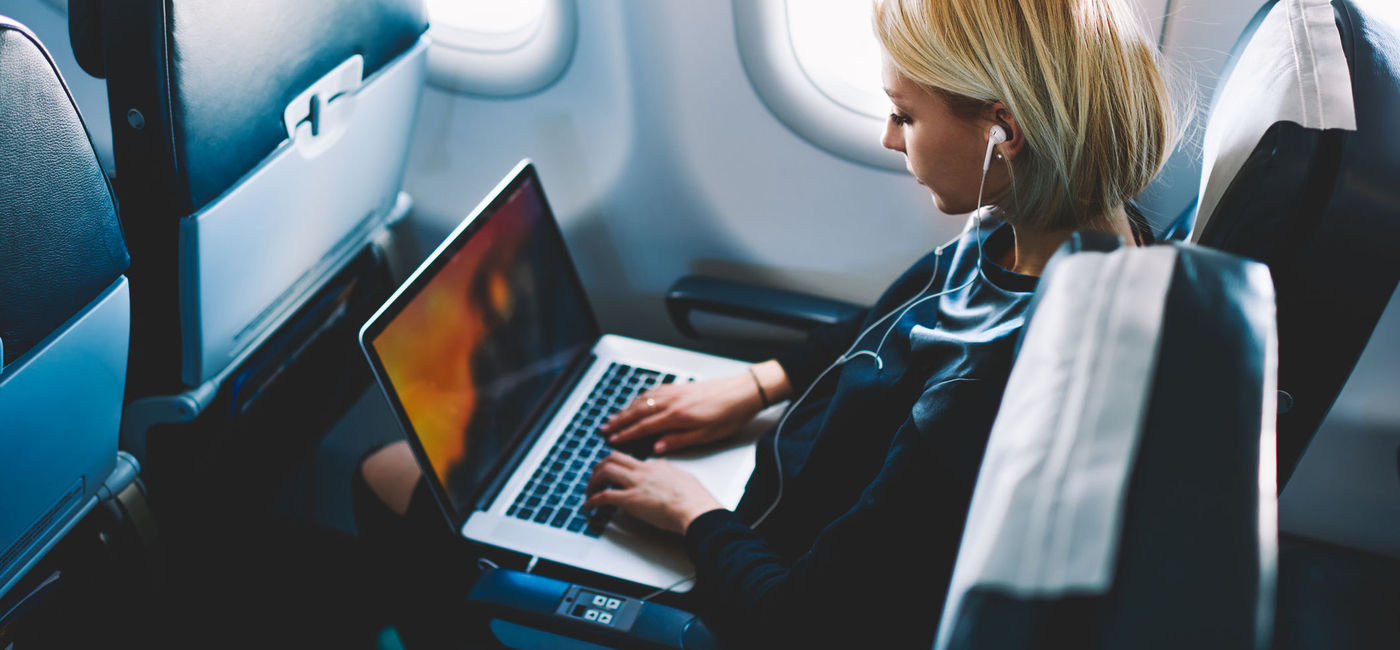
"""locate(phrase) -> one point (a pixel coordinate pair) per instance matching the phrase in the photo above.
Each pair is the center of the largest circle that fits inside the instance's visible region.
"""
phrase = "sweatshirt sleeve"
(879, 572)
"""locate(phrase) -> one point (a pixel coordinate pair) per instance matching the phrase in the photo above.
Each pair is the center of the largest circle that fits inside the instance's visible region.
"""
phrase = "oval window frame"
(777, 76)
(520, 62)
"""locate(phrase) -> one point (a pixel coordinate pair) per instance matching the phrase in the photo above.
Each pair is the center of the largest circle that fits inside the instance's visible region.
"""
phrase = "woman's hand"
(654, 491)
(685, 415)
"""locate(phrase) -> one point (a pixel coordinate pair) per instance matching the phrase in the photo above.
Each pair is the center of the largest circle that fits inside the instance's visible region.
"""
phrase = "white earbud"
(996, 137)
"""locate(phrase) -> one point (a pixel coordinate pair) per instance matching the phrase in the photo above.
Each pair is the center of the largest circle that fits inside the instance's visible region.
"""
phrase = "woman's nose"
(892, 138)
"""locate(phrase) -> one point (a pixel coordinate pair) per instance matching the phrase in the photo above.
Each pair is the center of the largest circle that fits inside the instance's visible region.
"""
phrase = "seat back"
(1126, 497)
(64, 312)
(259, 146)
(1318, 202)
(1301, 157)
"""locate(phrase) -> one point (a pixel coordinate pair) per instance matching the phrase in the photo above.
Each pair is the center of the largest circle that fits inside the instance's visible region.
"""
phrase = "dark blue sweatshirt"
(878, 464)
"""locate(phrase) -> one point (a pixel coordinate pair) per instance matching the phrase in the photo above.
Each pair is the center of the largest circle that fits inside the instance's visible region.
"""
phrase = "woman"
(860, 494)
(848, 530)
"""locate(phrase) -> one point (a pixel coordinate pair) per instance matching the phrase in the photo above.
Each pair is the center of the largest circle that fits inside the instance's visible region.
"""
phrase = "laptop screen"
(474, 344)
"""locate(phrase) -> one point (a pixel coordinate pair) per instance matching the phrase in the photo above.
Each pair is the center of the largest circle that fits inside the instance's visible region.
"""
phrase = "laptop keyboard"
(555, 493)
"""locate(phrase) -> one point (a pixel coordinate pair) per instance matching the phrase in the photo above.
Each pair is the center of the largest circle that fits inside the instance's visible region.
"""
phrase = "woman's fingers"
(654, 491)
(625, 460)
(605, 498)
(638, 409)
(646, 428)
(678, 441)
(605, 474)
(624, 418)
(617, 469)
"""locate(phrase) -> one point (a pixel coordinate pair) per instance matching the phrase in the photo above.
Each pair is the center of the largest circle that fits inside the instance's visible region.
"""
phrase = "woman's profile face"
(943, 151)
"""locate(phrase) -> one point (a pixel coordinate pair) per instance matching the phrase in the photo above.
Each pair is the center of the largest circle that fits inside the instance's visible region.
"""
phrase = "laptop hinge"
(522, 444)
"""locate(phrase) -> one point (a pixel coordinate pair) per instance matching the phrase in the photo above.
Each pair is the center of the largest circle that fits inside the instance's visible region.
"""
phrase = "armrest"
(762, 304)
(525, 605)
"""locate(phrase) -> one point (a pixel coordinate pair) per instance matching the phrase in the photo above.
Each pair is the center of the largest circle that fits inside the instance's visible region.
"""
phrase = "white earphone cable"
(996, 137)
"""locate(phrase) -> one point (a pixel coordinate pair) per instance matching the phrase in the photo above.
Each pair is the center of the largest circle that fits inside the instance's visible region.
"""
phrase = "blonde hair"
(1080, 76)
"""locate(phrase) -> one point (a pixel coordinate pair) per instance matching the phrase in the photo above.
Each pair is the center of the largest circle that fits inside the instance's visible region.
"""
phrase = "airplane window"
(816, 65)
(488, 47)
(486, 25)
(838, 52)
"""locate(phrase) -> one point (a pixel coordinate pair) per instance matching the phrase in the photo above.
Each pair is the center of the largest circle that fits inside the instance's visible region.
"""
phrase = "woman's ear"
(1015, 138)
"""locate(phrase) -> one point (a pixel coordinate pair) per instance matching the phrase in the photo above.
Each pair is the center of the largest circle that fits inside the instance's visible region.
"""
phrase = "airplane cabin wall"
(660, 160)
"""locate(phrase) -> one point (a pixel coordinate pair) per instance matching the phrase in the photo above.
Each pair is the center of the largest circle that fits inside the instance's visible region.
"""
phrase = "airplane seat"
(64, 327)
(260, 149)
(1127, 493)
(1302, 154)
(1096, 521)
(1300, 160)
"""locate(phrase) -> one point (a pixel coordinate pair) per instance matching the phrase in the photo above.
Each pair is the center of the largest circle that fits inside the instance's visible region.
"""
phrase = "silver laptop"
(496, 369)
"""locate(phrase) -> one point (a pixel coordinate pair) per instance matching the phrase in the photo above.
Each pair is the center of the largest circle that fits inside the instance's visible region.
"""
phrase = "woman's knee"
(391, 473)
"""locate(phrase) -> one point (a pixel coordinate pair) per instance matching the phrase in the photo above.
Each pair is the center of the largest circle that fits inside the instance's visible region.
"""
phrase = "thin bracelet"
(762, 394)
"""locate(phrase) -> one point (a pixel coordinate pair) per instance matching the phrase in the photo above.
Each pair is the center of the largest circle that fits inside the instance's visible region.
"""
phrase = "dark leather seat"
(1318, 203)
(259, 156)
(64, 315)
(1317, 200)
(259, 152)
(1126, 498)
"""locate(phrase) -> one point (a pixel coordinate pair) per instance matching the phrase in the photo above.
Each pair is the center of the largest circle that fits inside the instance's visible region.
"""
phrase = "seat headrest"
(214, 78)
(85, 33)
(1313, 195)
(1288, 67)
(61, 243)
